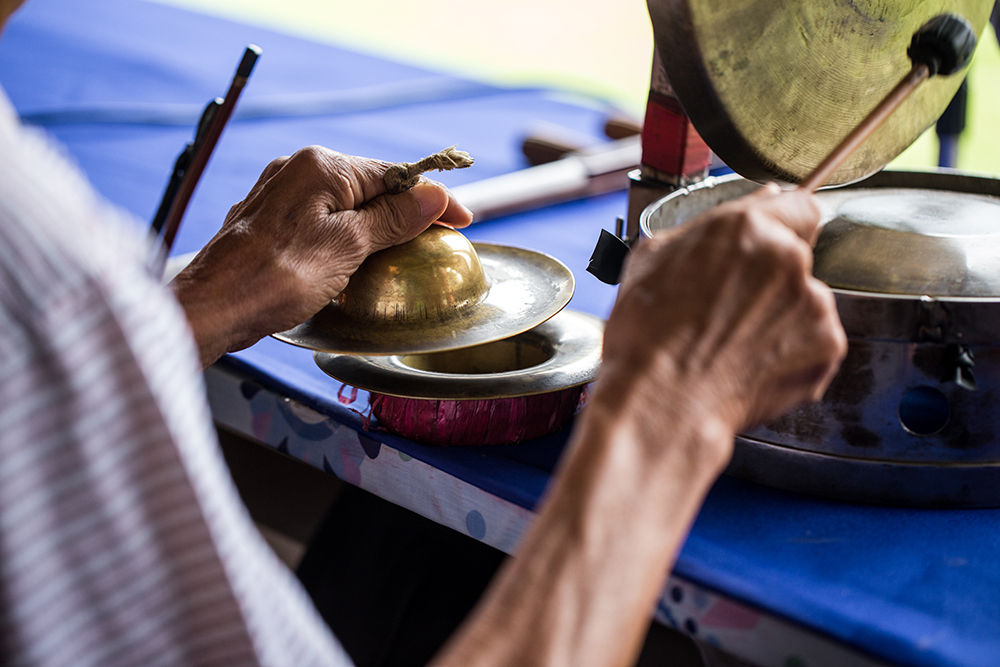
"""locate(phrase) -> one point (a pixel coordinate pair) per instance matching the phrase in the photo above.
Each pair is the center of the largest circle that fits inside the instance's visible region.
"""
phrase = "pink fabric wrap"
(501, 421)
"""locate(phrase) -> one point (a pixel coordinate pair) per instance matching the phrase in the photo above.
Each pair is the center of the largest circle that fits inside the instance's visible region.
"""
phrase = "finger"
(394, 219)
(455, 214)
(368, 175)
(272, 168)
(833, 337)
(796, 209)
(819, 348)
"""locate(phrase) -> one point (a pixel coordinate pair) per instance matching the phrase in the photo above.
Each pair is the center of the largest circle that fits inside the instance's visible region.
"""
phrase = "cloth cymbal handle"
(944, 45)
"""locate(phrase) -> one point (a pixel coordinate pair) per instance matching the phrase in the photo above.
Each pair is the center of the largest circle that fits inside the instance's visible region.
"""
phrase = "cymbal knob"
(945, 44)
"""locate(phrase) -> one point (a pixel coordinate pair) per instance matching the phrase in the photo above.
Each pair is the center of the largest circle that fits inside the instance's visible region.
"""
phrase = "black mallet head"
(945, 44)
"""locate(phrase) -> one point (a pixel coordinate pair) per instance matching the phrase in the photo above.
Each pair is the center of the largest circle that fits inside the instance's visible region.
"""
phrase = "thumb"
(395, 219)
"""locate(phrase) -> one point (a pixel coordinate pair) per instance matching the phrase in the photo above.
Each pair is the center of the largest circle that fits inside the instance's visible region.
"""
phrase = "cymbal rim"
(526, 288)
(575, 340)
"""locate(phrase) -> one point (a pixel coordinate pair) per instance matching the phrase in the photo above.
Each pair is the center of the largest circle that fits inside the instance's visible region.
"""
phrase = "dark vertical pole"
(950, 126)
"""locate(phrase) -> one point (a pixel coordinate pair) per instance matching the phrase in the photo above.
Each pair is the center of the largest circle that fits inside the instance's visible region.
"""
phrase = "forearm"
(226, 301)
(208, 325)
(584, 583)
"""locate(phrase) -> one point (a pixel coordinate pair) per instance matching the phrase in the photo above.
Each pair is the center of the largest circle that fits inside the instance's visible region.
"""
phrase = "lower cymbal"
(563, 352)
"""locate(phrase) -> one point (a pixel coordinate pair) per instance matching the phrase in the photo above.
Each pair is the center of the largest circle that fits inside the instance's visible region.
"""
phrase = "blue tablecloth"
(121, 82)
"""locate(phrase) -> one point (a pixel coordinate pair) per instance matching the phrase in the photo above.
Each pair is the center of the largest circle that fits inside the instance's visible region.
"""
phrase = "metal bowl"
(498, 393)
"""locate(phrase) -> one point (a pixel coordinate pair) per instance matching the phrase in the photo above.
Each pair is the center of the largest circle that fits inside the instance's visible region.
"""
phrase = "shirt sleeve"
(122, 538)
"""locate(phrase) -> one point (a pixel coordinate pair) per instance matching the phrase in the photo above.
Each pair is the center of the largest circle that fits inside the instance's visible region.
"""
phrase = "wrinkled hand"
(291, 246)
(723, 318)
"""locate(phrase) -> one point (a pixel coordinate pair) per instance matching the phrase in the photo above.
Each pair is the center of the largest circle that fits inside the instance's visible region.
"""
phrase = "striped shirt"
(122, 538)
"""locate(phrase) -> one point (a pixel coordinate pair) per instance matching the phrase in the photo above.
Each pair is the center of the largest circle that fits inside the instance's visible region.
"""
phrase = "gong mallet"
(943, 46)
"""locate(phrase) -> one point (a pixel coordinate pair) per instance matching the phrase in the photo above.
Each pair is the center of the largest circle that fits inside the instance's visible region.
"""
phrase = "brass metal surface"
(774, 85)
(915, 234)
(437, 292)
(910, 241)
(563, 352)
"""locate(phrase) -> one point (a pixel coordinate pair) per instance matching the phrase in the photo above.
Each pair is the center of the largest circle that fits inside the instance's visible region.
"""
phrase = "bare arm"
(718, 325)
(287, 249)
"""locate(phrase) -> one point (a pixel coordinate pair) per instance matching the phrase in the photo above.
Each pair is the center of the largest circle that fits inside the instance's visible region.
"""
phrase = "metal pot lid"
(910, 241)
(773, 85)
(897, 276)
(563, 352)
(437, 292)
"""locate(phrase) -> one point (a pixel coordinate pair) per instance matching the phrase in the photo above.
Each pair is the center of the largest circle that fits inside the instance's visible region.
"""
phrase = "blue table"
(775, 578)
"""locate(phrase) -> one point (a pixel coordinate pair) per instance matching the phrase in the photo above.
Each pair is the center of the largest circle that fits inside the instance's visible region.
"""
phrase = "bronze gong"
(773, 85)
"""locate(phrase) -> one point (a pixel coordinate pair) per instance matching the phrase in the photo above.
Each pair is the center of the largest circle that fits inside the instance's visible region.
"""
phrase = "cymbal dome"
(429, 277)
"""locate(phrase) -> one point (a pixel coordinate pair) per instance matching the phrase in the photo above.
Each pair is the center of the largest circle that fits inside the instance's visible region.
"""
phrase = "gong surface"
(774, 85)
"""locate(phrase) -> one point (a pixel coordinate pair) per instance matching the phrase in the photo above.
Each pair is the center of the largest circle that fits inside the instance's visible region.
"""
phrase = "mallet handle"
(917, 75)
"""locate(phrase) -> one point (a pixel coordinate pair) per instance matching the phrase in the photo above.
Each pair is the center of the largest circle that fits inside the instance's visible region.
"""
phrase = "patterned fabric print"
(361, 459)
(747, 632)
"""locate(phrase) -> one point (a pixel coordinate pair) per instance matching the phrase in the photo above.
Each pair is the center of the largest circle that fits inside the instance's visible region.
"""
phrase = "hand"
(290, 247)
(722, 317)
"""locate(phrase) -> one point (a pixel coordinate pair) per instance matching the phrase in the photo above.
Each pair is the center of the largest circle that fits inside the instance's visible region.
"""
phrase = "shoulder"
(55, 230)
(72, 266)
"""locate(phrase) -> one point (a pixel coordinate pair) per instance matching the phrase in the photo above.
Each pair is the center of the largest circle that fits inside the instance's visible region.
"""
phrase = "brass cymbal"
(437, 292)
(560, 353)
(773, 85)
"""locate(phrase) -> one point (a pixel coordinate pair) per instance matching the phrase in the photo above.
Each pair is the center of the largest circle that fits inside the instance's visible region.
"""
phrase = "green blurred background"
(595, 47)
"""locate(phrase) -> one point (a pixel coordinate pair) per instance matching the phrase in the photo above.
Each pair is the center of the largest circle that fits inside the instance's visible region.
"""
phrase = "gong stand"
(673, 155)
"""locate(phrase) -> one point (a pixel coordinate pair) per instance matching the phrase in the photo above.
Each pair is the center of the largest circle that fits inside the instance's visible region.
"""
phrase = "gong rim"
(526, 288)
(574, 339)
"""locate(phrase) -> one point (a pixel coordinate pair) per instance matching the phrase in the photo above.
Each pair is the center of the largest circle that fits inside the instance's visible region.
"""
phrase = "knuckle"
(796, 257)
(317, 161)
(754, 234)
(786, 259)
(275, 166)
(750, 222)
(311, 154)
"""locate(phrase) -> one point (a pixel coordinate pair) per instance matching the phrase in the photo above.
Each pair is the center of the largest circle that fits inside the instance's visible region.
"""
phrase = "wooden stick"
(917, 75)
